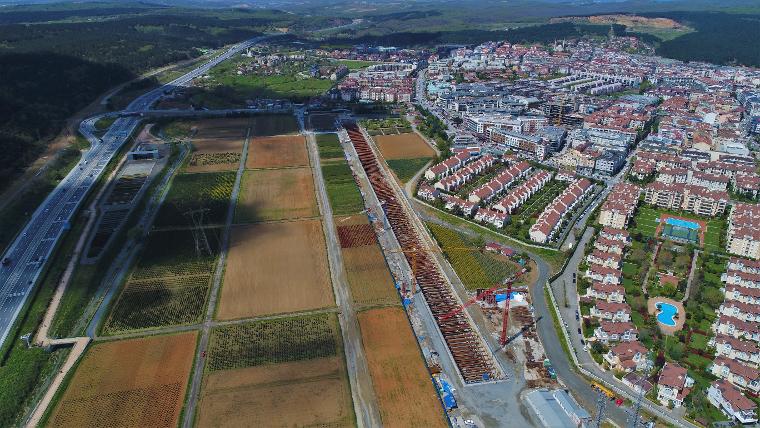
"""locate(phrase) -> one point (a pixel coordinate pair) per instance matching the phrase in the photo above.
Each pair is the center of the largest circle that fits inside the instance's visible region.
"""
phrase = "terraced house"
(738, 374)
(731, 402)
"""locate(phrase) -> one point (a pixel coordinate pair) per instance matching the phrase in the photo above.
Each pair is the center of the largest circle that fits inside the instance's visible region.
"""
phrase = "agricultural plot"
(370, 280)
(403, 146)
(207, 191)
(169, 285)
(283, 372)
(322, 121)
(273, 341)
(277, 152)
(341, 188)
(476, 269)
(274, 124)
(406, 169)
(275, 268)
(129, 383)
(402, 384)
(329, 146)
(213, 162)
(356, 235)
(276, 194)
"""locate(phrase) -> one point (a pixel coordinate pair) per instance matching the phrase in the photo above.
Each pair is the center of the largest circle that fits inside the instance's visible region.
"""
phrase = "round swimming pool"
(666, 314)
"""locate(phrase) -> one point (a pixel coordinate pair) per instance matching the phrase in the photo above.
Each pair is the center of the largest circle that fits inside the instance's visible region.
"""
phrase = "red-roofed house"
(673, 385)
(731, 402)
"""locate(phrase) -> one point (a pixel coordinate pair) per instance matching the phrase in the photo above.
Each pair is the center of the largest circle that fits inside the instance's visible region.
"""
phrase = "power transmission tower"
(195, 217)
(634, 420)
(601, 405)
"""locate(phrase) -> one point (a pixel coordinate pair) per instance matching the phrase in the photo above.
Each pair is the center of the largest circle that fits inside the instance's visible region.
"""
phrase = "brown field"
(356, 235)
(277, 152)
(305, 393)
(403, 146)
(276, 268)
(274, 124)
(368, 276)
(217, 136)
(276, 194)
(129, 383)
(400, 379)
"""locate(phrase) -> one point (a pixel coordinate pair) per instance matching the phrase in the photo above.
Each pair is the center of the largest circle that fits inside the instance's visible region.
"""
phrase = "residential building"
(673, 385)
(731, 402)
(738, 374)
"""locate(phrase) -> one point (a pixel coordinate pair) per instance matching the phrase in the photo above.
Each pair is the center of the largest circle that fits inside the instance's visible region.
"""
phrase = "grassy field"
(292, 87)
(405, 169)
(265, 125)
(210, 191)
(341, 188)
(355, 64)
(329, 146)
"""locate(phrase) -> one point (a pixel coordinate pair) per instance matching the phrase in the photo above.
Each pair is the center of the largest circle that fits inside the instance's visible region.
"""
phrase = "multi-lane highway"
(25, 258)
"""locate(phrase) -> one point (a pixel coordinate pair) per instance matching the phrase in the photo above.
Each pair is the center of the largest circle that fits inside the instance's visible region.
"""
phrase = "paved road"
(25, 258)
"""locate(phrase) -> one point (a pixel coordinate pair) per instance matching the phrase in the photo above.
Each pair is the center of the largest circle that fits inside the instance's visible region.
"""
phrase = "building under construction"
(472, 358)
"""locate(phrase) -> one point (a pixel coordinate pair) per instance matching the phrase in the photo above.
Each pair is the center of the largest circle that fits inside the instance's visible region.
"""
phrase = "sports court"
(682, 230)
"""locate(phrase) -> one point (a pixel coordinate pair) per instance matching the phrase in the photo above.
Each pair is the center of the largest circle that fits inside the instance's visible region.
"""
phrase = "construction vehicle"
(604, 390)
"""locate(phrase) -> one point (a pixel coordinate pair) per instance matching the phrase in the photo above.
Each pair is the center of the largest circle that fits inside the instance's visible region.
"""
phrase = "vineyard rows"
(210, 191)
(273, 341)
(169, 285)
(201, 159)
(474, 268)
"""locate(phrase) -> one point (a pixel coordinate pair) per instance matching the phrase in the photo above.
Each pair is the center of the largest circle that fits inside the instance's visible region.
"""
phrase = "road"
(25, 259)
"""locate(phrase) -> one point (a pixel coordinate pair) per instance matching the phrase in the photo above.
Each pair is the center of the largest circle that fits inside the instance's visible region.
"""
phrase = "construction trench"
(473, 360)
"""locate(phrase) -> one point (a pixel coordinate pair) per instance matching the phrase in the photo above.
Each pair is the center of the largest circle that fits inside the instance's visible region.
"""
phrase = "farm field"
(476, 269)
(342, 191)
(283, 372)
(265, 125)
(277, 152)
(368, 275)
(275, 268)
(168, 286)
(403, 146)
(276, 194)
(329, 146)
(129, 383)
(402, 384)
(217, 144)
(405, 169)
(210, 191)
(322, 121)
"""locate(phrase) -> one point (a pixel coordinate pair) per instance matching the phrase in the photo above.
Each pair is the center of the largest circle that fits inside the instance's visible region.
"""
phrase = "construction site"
(481, 345)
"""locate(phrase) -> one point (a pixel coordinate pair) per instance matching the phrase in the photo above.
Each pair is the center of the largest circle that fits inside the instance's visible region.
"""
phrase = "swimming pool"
(667, 314)
(681, 223)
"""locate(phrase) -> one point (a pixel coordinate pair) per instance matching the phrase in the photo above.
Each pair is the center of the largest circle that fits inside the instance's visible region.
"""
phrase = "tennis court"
(682, 230)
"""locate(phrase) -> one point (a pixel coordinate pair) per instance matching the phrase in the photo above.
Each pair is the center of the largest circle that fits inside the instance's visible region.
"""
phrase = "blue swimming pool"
(681, 223)
(667, 314)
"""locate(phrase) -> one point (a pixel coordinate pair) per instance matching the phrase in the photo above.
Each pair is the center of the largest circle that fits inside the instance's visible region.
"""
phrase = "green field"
(265, 125)
(329, 146)
(355, 64)
(168, 286)
(291, 86)
(405, 169)
(273, 341)
(341, 188)
(208, 191)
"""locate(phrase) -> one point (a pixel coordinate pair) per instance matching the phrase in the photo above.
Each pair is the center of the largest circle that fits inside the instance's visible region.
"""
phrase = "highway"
(25, 258)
